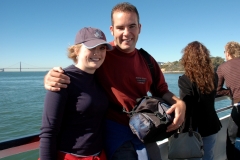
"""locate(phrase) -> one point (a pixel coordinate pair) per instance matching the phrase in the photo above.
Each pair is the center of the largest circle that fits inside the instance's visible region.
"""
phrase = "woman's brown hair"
(73, 52)
(198, 66)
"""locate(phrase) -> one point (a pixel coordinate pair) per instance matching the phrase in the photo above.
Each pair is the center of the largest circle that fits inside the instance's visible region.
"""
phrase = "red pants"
(67, 156)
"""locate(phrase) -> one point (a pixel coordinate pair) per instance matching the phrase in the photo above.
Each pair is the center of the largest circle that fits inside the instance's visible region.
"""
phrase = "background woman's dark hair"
(198, 66)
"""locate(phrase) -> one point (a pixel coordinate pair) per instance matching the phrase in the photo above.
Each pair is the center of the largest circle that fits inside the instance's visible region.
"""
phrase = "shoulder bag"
(185, 145)
(148, 119)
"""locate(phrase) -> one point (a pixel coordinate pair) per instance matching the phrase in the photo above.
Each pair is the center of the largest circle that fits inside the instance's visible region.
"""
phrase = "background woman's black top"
(200, 106)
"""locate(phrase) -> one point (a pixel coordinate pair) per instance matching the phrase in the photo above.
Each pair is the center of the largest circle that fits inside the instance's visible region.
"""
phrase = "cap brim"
(96, 42)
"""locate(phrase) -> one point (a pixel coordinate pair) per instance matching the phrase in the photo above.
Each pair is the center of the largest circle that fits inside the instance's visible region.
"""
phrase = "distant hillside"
(177, 67)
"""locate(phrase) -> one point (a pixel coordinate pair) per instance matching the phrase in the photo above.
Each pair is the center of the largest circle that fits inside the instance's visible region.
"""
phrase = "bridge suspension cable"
(33, 67)
(12, 65)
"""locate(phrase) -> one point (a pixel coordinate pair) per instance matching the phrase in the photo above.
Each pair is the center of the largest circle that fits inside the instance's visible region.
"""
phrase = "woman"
(198, 89)
(72, 123)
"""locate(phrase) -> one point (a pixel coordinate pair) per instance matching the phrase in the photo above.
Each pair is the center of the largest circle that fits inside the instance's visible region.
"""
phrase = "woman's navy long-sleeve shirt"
(73, 117)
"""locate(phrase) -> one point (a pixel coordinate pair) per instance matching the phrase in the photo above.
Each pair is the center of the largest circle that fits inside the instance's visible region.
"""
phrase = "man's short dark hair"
(124, 7)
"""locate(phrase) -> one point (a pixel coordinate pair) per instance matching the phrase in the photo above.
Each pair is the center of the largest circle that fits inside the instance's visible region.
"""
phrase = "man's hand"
(178, 108)
(55, 79)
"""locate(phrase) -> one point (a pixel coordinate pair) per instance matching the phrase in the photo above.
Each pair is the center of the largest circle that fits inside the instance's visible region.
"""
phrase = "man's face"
(225, 53)
(125, 30)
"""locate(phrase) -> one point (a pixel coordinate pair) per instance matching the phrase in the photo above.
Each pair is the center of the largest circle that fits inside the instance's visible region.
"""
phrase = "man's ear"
(111, 30)
(140, 26)
(229, 57)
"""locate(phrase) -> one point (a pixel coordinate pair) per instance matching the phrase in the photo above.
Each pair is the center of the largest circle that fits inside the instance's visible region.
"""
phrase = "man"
(125, 76)
(229, 72)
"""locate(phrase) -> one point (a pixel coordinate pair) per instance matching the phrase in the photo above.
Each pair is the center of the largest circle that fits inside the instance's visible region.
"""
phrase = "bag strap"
(147, 57)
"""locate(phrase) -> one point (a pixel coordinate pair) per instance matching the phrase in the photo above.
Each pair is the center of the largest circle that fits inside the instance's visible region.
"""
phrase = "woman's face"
(91, 59)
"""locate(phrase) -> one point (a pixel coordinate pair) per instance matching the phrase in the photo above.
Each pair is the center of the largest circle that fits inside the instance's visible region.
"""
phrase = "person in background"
(72, 123)
(125, 76)
(229, 73)
(198, 87)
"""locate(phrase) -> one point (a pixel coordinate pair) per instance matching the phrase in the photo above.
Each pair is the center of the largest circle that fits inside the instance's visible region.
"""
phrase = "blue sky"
(38, 32)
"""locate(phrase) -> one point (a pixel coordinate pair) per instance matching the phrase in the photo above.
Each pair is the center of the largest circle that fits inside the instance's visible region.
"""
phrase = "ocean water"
(21, 102)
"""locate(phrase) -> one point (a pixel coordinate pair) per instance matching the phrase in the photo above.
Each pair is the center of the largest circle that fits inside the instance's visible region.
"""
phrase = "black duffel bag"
(149, 121)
